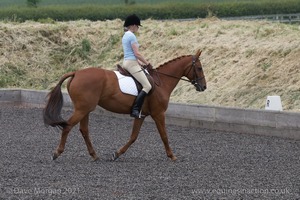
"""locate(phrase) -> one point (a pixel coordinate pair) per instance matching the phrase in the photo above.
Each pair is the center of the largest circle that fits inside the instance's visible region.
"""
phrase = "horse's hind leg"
(85, 133)
(75, 118)
(137, 124)
(64, 135)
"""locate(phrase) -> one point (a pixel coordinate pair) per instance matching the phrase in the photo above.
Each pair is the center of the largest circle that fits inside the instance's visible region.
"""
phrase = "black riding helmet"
(132, 20)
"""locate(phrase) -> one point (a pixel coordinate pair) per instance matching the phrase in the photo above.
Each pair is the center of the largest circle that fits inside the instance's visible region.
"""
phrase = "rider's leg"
(137, 105)
(136, 71)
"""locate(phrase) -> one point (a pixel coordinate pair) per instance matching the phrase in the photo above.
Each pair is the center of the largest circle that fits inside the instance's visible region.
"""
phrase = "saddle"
(149, 67)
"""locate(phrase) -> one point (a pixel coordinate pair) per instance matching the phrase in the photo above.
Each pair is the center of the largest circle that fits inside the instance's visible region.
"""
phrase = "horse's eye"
(199, 68)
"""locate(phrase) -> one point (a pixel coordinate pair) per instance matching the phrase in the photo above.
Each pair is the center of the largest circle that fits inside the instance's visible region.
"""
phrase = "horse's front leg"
(137, 124)
(161, 126)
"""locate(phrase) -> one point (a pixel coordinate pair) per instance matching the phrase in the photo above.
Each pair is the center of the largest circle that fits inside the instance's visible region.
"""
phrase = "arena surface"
(210, 165)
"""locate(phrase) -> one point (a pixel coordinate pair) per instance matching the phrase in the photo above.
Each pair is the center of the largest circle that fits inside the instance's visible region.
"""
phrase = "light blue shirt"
(128, 39)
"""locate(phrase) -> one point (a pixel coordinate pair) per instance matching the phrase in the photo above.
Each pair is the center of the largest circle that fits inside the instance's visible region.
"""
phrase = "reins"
(184, 79)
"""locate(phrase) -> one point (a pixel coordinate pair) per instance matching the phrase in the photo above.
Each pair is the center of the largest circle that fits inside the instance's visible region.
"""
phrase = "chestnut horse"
(95, 86)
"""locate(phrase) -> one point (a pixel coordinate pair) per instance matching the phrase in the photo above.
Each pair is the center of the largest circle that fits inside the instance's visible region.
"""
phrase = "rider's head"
(132, 20)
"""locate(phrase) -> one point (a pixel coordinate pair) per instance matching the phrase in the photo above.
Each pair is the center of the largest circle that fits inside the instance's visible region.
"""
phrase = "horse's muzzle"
(200, 88)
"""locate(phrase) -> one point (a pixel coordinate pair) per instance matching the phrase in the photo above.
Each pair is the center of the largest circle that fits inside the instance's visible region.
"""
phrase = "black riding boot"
(138, 103)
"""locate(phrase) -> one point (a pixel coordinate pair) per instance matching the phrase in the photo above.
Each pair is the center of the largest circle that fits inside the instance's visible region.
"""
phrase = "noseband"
(196, 78)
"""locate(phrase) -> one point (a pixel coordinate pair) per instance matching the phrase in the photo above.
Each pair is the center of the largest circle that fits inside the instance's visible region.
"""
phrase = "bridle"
(195, 79)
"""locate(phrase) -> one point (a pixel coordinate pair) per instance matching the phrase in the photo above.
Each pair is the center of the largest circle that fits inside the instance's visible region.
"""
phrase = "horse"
(94, 86)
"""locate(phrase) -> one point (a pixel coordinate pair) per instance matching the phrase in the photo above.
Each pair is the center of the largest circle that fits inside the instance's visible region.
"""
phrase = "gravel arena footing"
(210, 165)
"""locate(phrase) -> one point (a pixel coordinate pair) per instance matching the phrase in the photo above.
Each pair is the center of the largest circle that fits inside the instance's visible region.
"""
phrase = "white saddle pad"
(127, 84)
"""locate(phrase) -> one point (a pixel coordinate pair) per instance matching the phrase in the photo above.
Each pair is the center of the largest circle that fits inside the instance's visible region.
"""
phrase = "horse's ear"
(198, 53)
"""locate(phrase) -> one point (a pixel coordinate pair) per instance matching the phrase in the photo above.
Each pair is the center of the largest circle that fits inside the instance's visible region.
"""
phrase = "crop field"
(115, 2)
(103, 10)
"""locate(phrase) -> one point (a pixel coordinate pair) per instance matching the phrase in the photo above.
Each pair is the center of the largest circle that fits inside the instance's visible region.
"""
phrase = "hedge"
(156, 11)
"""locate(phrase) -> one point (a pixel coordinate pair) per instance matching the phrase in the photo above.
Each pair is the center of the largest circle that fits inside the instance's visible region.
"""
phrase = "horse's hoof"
(96, 159)
(54, 156)
(174, 158)
(115, 156)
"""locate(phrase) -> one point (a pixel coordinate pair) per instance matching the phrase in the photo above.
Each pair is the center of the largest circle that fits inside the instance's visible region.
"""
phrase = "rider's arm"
(137, 54)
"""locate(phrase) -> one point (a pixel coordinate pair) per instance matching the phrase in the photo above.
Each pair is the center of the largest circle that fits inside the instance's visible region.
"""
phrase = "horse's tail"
(52, 111)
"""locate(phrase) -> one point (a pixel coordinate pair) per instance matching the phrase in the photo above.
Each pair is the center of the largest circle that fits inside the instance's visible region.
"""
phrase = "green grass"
(11, 75)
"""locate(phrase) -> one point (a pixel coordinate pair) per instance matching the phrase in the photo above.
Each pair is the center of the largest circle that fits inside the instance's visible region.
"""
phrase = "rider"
(133, 60)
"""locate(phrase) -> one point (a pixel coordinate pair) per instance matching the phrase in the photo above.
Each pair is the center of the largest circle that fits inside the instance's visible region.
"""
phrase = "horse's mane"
(175, 59)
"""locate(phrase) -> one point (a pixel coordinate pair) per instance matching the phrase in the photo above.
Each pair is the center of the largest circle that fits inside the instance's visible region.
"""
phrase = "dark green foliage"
(33, 3)
(155, 11)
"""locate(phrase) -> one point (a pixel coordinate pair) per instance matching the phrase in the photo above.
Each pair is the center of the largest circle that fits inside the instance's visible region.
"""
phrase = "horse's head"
(195, 73)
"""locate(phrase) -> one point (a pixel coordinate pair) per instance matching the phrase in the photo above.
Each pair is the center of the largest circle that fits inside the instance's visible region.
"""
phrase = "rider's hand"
(148, 66)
